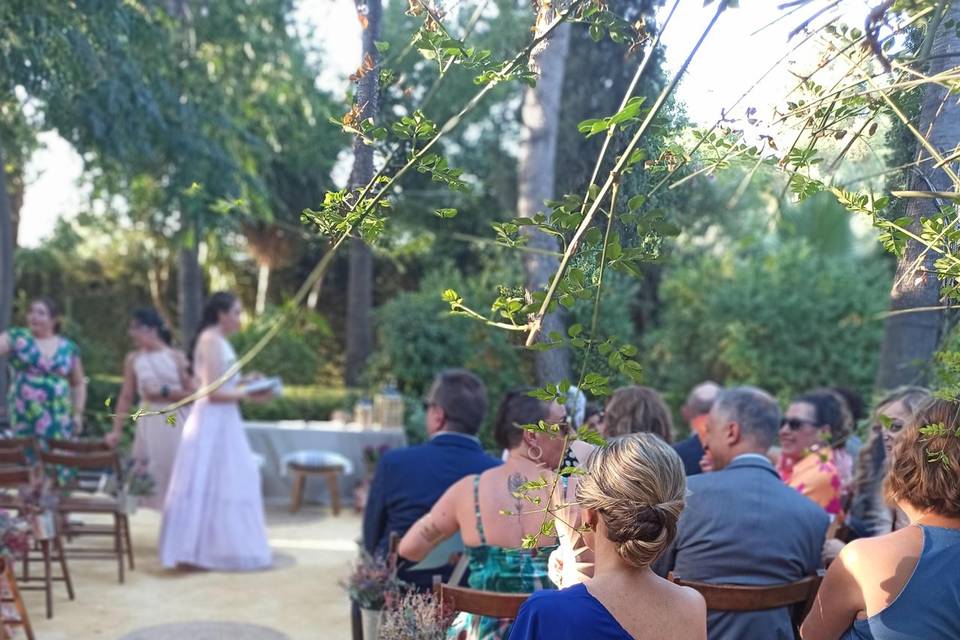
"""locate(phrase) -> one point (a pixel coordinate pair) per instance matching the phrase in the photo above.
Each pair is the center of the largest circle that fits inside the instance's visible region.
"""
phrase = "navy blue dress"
(568, 614)
(928, 607)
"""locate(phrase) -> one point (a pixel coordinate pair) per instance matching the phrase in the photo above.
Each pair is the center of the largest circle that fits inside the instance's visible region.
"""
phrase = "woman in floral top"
(48, 390)
(814, 461)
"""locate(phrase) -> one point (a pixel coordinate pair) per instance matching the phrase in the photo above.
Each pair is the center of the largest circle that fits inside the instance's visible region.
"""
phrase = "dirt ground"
(300, 598)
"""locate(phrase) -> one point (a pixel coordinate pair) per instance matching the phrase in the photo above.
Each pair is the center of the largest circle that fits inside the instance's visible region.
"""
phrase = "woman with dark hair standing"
(157, 374)
(48, 390)
(213, 514)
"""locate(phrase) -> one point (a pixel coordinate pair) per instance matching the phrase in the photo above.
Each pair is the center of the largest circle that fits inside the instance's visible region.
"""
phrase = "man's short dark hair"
(753, 409)
(463, 398)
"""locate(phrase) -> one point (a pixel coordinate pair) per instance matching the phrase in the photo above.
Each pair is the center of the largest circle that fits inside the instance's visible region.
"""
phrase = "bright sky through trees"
(739, 51)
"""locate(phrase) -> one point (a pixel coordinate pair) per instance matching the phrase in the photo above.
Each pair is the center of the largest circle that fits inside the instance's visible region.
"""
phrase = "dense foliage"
(785, 319)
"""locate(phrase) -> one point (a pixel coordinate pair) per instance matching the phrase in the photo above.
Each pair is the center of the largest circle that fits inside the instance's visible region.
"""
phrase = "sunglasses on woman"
(795, 424)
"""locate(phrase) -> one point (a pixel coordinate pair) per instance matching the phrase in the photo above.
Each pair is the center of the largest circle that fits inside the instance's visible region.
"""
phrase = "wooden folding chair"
(16, 443)
(79, 446)
(485, 603)
(10, 594)
(91, 504)
(47, 550)
(799, 596)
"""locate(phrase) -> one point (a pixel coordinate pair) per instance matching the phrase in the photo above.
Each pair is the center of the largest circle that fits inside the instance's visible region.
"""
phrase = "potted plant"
(370, 585)
(15, 536)
(137, 484)
(415, 616)
(39, 507)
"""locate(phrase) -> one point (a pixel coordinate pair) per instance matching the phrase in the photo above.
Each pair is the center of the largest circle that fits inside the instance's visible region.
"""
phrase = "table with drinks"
(374, 427)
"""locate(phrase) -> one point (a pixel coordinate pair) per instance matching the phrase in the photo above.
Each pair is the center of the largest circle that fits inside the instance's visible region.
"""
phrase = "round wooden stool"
(325, 464)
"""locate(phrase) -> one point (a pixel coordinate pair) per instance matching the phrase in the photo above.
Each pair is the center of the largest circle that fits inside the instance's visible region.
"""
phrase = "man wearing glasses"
(410, 480)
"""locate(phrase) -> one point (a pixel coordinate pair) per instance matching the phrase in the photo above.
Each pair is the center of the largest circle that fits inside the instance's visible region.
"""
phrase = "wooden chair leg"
(296, 499)
(47, 576)
(18, 601)
(118, 546)
(129, 544)
(64, 569)
(334, 489)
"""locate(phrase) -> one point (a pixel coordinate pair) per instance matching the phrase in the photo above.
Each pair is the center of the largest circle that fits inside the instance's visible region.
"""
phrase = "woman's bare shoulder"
(866, 558)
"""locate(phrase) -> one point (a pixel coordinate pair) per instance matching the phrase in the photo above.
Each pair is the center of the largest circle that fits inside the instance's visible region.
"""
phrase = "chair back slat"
(14, 457)
(15, 443)
(14, 478)
(731, 597)
(81, 461)
(78, 446)
(484, 603)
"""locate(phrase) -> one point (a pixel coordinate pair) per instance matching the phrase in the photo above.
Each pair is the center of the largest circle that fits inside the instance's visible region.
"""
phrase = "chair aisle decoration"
(371, 586)
(416, 616)
(15, 540)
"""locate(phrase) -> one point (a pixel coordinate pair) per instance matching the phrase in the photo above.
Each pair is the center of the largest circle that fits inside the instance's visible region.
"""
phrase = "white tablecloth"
(273, 440)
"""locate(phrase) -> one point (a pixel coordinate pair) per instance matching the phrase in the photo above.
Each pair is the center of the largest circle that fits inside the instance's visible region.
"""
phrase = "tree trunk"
(360, 279)
(910, 339)
(536, 173)
(263, 283)
(6, 278)
(190, 289)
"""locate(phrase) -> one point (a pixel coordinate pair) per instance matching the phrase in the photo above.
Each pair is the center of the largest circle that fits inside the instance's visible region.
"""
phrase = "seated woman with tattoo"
(490, 516)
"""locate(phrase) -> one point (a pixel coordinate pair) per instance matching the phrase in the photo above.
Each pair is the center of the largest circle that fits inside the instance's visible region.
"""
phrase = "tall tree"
(911, 338)
(6, 275)
(540, 116)
(360, 279)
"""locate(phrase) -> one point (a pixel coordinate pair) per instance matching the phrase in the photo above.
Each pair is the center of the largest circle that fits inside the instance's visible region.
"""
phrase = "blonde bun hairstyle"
(637, 485)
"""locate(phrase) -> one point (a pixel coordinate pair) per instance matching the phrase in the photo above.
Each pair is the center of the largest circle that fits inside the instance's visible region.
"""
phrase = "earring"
(534, 456)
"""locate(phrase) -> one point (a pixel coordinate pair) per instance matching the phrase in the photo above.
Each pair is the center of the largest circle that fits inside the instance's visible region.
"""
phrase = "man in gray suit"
(742, 524)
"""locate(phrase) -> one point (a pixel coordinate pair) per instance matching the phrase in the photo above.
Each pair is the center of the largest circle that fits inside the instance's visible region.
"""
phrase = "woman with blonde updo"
(630, 500)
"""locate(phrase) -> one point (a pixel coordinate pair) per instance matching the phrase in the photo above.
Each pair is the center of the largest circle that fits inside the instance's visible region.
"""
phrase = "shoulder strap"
(476, 509)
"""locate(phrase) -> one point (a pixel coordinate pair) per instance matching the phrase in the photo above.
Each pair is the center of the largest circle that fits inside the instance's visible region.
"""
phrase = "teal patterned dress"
(39, 396)
(502, 569)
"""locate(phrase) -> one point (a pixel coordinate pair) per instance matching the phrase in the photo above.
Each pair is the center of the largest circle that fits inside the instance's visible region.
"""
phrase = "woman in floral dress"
(48, 391)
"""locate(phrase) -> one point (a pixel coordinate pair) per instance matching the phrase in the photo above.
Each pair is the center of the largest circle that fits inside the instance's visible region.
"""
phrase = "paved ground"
(299, 600)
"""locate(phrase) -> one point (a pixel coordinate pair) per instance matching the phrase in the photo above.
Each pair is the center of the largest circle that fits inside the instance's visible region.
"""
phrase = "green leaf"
(446, 213)
(590, 436)
(636, 202)
(451, 296)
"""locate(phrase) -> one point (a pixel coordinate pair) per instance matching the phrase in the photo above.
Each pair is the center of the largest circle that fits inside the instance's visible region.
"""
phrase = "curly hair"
(925, 462)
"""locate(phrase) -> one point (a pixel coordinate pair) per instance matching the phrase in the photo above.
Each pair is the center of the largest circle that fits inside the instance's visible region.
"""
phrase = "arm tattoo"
(429, 531)
(514, 482)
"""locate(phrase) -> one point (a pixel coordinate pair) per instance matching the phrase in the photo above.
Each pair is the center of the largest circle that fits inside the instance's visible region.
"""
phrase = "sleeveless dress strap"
(476, 509)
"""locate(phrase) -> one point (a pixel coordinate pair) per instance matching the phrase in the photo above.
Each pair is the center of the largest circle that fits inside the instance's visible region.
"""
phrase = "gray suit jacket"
(743, 525)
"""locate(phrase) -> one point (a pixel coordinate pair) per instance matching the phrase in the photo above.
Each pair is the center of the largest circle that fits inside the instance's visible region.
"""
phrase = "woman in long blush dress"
(159, 375)
(213, 515)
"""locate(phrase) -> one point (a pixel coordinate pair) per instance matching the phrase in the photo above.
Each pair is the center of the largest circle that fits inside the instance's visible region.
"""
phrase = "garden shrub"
(418, 337)
(785, 319)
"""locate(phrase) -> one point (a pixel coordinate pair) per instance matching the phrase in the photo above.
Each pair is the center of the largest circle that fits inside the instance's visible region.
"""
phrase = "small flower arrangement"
(372, 455)
(39, 502)
(15, 536)
(38, 496)
(415, 616)
(137, 480)
(371, 583)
